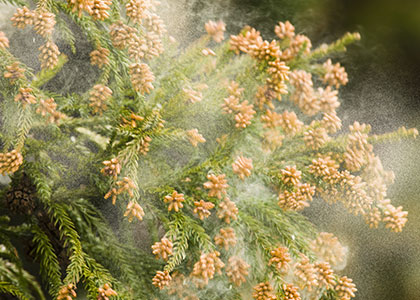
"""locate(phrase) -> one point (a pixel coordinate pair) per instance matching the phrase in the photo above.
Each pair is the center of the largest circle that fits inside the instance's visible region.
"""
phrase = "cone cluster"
(25, 96)
(134, 210)
(237, 270)
(112, 168)
(216, 185)
(99, 96)
(175, 201)
(10, 162)
(48, 55)
(105, 292)
(67, 292)
(202, 209)
(206, 267)
(194, 137)
(161, 279)
(227, 211)
(242, 167)
(162, 249)
(225, 238)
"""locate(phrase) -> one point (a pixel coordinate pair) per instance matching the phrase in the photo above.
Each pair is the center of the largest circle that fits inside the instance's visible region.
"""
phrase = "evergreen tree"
(176, 174)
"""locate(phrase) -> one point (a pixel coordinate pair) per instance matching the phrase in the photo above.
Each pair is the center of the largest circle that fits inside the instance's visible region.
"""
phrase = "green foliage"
(50, 267)
(14, 279)
(145, 142)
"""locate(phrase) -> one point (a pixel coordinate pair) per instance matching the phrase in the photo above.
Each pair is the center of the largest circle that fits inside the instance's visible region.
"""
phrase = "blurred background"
(383, 90)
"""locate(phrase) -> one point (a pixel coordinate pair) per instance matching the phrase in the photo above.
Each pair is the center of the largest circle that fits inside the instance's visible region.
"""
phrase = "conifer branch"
(45, 75)
(50, 267)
